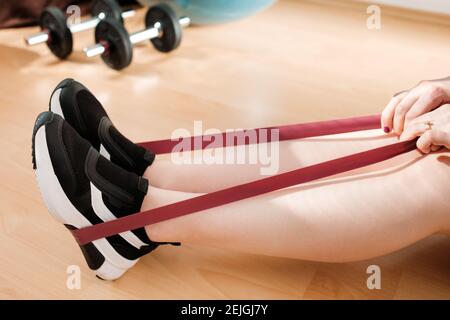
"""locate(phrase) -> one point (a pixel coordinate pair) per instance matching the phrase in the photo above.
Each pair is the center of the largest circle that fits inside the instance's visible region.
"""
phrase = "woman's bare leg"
(166, 174)
(354, 217)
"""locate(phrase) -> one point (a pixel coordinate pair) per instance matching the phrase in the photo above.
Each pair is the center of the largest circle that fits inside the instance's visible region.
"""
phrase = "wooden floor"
(297, 61)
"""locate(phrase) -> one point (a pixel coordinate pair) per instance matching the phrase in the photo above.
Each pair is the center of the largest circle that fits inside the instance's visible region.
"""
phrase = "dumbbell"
(115, 45)
(57, 33)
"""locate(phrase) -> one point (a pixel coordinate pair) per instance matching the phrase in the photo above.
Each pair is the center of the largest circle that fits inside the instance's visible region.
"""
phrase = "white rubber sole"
(55, 103)
(63, 210)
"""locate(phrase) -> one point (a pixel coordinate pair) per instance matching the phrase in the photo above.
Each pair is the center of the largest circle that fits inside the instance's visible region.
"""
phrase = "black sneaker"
(81, 188)
(78, 106)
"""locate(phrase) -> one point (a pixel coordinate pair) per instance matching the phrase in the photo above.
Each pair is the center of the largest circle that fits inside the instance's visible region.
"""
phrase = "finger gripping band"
(257, 187)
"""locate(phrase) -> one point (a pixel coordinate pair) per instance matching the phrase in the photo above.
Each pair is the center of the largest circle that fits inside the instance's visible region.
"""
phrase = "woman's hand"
(433, 129)
(408, 105)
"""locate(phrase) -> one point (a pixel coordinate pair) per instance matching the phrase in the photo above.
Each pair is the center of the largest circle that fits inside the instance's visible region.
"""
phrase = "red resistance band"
(258, 187)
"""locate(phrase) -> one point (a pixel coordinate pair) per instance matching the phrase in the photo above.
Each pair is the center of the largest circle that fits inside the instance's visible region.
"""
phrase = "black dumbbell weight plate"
(120, 50)
(110, 8)
(171, 28)
(60, 42)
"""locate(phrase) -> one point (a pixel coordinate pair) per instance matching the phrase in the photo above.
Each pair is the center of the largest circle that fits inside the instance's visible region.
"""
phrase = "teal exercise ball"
(214, 11)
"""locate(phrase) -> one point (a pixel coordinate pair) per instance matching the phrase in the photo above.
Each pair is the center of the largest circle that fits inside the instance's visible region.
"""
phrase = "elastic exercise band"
(289, 132)
(258, 187)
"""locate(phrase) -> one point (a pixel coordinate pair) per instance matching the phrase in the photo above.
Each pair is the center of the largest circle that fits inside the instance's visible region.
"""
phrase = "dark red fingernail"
(387, 129)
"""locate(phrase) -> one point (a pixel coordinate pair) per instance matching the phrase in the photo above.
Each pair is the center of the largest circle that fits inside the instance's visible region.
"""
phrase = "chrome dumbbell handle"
(95, 50)
(37, 38)
(137, 37)
(88, 24)
(93, 22)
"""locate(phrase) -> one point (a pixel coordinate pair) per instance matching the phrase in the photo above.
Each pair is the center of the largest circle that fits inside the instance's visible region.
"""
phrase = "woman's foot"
(81, 188)
(79, 107)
